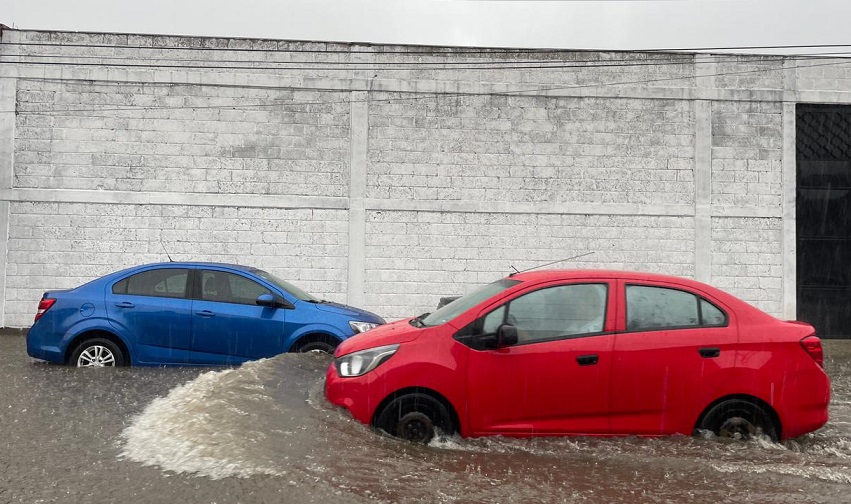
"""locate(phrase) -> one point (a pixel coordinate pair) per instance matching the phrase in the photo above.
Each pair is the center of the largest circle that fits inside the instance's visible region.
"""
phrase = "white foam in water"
(809, 472)
(835, 446)
(194, 429)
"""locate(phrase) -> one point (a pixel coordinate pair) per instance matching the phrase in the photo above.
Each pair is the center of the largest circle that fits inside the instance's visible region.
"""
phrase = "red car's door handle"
(709, 353)
(587, 360)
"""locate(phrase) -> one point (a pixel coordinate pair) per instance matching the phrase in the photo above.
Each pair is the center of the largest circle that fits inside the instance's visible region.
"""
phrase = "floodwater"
(263, 432)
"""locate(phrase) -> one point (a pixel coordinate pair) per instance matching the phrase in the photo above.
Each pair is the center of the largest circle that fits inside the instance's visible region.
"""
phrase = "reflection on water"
(264, 432)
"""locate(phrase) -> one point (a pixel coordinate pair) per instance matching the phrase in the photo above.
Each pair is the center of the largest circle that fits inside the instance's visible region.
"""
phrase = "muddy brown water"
(263, 432)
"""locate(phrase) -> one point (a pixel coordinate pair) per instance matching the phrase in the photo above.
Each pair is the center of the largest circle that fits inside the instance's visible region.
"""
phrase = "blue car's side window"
(165, 282)
(226, 287)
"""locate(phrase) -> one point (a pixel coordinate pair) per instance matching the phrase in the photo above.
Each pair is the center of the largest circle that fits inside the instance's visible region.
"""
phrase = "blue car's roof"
(174, 264)
(196, 264)
(188, 264)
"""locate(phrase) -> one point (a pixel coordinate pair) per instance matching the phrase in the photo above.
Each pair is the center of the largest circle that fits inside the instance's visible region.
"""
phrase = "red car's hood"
(388, 334)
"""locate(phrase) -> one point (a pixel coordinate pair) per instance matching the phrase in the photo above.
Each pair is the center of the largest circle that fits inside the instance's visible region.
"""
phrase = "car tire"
(415, 417)
(739, 419)
(97, 352)
(320, 346)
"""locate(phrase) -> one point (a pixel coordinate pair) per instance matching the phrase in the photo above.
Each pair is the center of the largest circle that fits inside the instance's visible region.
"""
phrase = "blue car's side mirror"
(273, 301)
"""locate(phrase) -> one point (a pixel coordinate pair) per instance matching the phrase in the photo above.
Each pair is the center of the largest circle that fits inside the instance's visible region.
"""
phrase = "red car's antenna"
(549, 263)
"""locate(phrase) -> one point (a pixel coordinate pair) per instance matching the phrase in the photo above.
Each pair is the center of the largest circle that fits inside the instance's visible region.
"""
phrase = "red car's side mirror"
(506, 335)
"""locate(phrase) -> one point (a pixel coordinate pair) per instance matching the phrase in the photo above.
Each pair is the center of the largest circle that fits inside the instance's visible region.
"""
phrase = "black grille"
(824, 133)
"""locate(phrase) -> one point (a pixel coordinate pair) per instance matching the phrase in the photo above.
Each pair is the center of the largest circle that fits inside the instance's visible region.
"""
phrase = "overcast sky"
(574, 24)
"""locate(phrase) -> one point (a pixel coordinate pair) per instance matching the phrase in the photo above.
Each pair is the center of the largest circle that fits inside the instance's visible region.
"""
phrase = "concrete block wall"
(214, 148)
(747, 258)
(412, 174)
(550, 70)
(62, 245)
(823, 75)
(452, 253)
(747, 155)
(749, 72)
(525, 149)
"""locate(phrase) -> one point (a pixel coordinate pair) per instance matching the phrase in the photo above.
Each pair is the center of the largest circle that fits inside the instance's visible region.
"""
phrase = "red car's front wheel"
(415, 417)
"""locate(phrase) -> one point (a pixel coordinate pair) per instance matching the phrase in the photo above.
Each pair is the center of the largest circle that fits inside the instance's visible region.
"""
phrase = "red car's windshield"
(464, 303)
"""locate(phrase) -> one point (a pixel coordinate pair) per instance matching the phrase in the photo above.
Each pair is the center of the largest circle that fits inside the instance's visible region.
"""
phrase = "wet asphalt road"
(264, 433)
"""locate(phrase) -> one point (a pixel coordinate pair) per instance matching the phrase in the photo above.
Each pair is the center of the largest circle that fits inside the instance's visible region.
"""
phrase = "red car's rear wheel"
(739, 419)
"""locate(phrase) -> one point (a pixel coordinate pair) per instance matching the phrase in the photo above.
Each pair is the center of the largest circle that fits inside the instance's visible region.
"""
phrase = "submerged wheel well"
(744, 397)
(312, 338)
(97, 334)
(418, 390)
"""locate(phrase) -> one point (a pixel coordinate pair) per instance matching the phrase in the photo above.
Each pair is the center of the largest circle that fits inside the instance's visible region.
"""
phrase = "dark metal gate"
(824, 218)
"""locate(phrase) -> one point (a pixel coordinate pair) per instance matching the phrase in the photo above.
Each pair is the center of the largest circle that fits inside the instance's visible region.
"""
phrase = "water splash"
(270, 418)
(215, 425)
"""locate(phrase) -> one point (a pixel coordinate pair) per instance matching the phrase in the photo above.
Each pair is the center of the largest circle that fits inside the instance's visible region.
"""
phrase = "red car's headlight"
(360, 363)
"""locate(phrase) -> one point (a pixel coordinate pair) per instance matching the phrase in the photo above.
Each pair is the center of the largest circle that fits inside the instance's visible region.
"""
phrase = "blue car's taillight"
(43, 306)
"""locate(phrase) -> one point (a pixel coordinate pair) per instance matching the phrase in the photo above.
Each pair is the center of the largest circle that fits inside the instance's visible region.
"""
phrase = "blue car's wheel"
(317, 346)
(318, 343)
(97, 352)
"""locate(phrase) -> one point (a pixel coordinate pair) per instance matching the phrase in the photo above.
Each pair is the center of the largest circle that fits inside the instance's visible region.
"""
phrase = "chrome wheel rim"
(317, 351)
(316, 348)
(96, 356)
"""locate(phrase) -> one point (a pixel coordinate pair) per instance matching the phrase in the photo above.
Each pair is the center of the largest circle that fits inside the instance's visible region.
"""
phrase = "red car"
(586, 353)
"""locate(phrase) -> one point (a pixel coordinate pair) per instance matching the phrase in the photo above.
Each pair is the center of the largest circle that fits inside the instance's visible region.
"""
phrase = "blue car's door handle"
(205, 313)
(125, 304)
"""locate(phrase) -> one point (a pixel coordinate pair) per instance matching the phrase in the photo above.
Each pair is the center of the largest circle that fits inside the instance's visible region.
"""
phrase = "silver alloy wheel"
(317, 347)
(96, 356)
(317, 351)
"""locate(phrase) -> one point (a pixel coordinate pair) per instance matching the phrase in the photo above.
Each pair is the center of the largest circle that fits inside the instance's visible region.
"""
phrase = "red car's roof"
(543, 275)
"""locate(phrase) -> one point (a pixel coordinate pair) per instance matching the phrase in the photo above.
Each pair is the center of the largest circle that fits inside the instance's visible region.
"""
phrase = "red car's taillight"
(813, 347)
(43, 306)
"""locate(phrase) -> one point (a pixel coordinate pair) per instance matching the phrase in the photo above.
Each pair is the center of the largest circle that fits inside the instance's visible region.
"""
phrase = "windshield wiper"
(418, 321)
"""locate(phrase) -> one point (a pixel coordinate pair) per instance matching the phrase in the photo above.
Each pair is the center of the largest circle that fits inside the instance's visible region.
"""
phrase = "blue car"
(187, 313)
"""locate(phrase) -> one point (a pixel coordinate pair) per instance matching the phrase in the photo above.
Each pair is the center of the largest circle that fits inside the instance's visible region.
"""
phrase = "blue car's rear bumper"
(37, 349)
